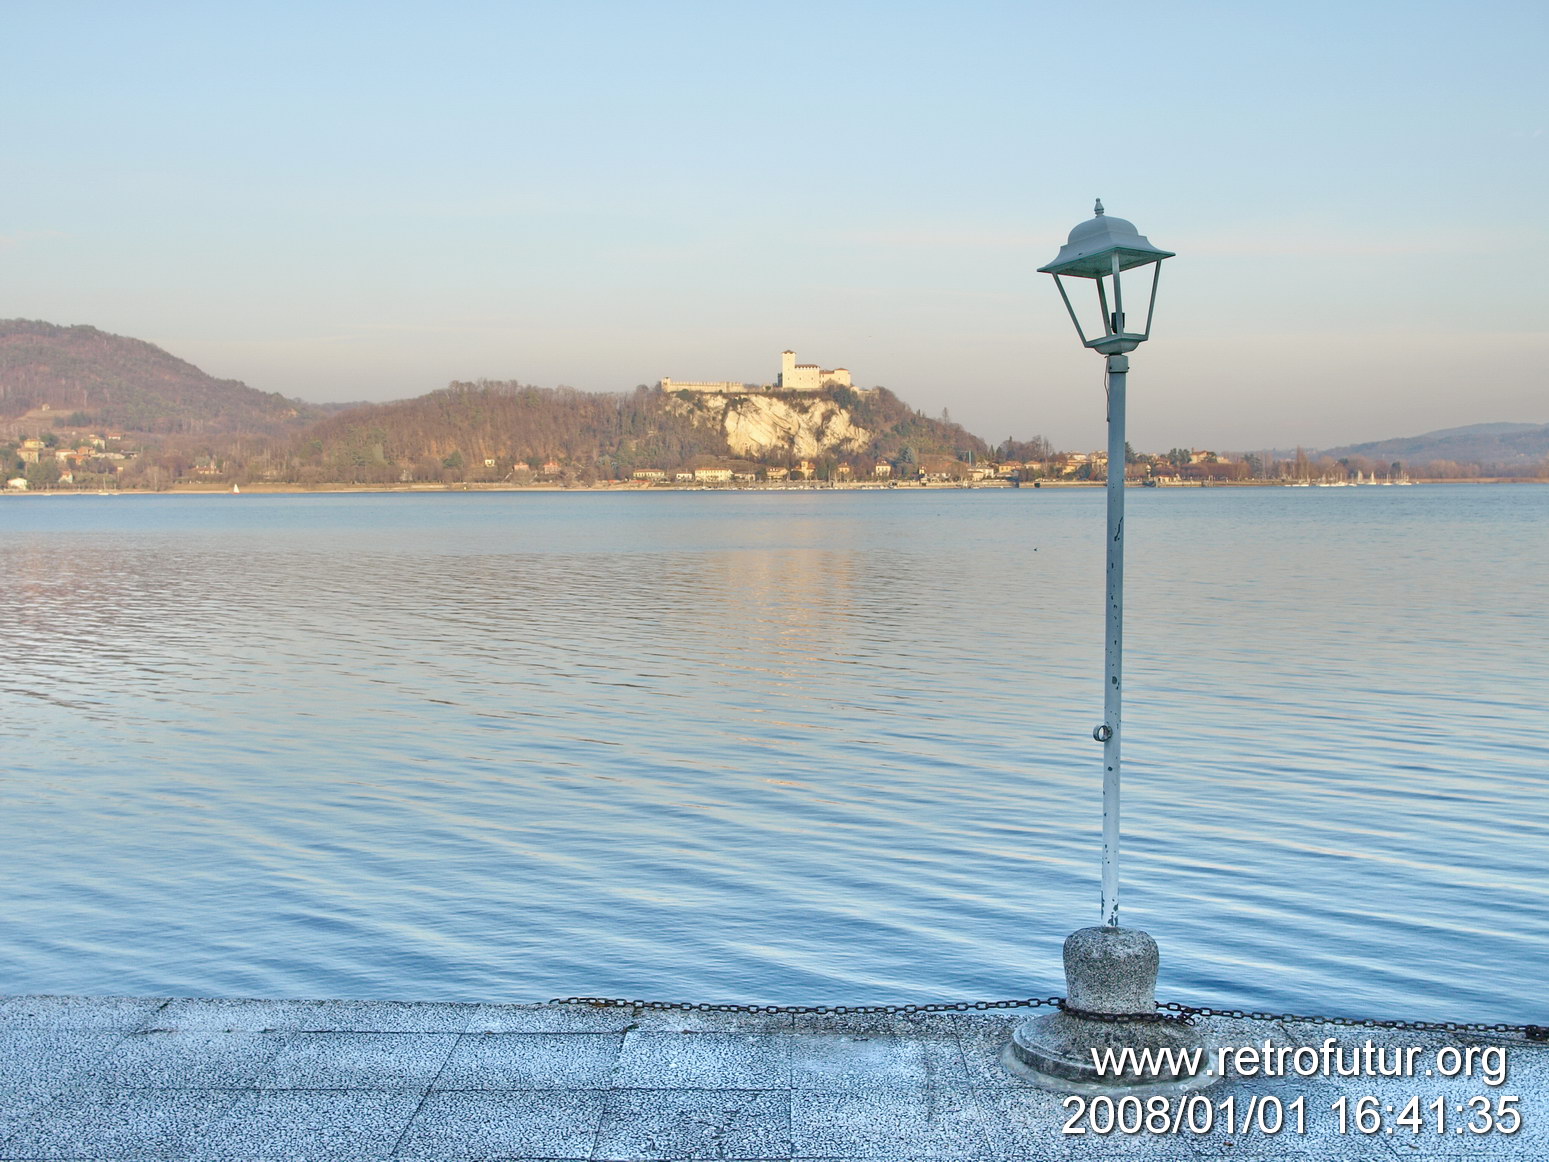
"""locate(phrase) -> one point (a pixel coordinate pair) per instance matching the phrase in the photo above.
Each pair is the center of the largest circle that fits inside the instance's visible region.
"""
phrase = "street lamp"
(1109, 971)
(1102, 250)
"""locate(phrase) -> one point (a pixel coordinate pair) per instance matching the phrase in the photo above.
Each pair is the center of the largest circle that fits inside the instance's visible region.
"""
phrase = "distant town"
(109, 460)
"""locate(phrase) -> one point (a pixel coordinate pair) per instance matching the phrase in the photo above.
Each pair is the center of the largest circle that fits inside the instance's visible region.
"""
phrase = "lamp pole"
(1110, 972)
(1110, 733)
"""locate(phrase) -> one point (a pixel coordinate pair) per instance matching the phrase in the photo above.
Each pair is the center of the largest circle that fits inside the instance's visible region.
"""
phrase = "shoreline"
(634, 486)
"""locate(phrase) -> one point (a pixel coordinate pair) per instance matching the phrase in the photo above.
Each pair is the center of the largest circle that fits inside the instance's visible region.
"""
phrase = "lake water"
(796, 747)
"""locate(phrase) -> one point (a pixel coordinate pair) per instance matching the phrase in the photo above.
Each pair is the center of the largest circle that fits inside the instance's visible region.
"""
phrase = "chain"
(1530, 1032)
(1169, 1011)
(690, 1007)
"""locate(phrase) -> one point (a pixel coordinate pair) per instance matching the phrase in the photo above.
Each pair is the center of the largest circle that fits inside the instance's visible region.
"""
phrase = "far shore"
(207, 489)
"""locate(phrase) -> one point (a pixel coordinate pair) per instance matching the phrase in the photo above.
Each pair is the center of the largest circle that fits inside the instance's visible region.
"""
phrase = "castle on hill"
(793, 377)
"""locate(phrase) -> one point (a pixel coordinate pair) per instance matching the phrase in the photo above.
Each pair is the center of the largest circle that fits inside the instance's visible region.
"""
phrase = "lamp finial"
(1099, 210)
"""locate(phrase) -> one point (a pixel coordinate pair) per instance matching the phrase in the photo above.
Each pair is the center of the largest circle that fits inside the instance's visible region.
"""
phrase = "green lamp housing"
(1102, 249)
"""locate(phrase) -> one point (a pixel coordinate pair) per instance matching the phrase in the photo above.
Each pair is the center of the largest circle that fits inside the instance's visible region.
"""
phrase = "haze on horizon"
(353, 201)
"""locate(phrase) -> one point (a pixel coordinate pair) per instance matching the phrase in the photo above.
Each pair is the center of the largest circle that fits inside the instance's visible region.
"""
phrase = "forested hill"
(110, 381)
(486, 430)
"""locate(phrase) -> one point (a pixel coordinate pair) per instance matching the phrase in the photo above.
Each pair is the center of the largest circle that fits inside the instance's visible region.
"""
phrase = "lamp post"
(1110, 971)
(1101, 250)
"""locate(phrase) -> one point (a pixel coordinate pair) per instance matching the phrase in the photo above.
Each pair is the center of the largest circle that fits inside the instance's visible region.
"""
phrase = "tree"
(44, 473)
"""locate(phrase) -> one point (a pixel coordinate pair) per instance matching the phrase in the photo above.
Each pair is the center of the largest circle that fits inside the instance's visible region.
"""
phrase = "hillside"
(90, 378)
(486, 430)
(1503, 447)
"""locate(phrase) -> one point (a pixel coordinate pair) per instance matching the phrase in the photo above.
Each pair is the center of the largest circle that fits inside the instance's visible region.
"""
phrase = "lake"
(798, 747)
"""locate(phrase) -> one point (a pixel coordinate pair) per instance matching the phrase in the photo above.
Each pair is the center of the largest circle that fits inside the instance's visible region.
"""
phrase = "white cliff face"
(757, 424)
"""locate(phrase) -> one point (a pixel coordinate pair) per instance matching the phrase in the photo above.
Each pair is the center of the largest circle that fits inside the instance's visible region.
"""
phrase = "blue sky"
(365, 201)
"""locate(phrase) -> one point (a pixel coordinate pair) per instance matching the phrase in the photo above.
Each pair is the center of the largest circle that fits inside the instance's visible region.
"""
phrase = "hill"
(1498, 447)
(90, 378)
(489, 430)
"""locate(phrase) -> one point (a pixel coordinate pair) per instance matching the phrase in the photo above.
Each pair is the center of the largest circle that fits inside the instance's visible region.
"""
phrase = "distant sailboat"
(235, 489)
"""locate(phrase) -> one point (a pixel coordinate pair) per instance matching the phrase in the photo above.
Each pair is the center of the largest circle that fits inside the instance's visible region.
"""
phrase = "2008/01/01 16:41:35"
(1269, 1115)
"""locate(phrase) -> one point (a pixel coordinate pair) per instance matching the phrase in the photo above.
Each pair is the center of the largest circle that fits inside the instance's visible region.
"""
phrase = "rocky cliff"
(786, 424)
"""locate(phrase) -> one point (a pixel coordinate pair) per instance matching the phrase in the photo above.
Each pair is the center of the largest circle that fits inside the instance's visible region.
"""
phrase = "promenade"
(194, 1080)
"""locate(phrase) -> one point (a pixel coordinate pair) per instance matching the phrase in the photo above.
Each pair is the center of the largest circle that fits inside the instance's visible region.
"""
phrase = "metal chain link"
(1168, 1011)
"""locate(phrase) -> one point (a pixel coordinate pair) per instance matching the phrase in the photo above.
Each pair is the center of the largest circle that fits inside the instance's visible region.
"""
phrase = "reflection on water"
(788, 747)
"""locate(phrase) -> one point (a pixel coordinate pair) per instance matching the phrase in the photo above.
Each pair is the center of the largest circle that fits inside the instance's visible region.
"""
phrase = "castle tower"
(787, 369)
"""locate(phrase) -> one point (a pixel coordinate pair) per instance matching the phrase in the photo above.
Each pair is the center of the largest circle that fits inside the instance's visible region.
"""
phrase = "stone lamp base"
(1109, 970)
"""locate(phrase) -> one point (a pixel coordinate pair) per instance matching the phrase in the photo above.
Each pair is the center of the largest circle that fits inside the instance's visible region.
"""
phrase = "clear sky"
(365, 201)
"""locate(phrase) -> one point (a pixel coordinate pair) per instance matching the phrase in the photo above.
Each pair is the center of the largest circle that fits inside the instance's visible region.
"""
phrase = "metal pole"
(1110, 731)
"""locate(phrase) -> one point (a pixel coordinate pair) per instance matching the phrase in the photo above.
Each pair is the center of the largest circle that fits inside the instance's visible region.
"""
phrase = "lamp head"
(1095, 243)
(1100, 250)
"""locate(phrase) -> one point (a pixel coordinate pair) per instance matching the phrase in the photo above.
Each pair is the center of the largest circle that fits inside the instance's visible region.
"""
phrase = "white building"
(808, 376)
(793, 377)
(719, 386)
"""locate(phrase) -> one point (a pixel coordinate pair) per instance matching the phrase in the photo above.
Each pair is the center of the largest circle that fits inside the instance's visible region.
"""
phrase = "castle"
(808, 376)
(793, 377)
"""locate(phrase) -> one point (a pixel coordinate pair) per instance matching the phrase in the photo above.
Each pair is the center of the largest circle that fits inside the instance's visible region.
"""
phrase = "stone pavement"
(194, 1080)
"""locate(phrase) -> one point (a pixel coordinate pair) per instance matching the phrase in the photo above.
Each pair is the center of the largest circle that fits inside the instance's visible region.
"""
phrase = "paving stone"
(38, 1058)
(617, 1019)
(703, 1061)
(62, 1014)
(865, 1124)
(1235, 1141)
(1527, 1065)
(17, 1105)
(646, 1125)
(355, 1060)
(853, 1061)
(309, 1124)
(710, 1021)
(532, 1061)
(981, 1048)
(183, 1060)
(550, 1019)
(1030, 1123)
(504, 1124)
(259, 1016)
(119, 1125)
